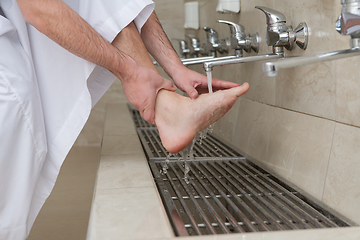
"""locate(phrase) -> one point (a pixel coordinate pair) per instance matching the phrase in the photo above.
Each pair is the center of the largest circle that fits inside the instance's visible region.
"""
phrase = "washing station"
(239, 42)
(220, 191)
(226, 191)
(207, 52)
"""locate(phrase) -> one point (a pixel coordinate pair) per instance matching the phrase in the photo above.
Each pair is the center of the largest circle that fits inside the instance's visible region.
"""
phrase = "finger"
(148, 113)
(191, 91)
(167, 85)
(238, 91)
(221, 84)
(242, 89)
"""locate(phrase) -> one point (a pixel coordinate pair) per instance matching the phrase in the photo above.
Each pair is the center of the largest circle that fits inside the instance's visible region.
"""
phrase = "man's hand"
(194, 83)
(141, 86)
(160, 48)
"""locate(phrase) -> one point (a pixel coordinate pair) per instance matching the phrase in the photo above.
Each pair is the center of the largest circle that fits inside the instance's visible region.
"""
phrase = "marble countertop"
(126, 204)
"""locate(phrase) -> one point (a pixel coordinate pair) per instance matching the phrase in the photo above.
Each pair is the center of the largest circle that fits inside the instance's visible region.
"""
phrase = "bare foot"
(180, 118)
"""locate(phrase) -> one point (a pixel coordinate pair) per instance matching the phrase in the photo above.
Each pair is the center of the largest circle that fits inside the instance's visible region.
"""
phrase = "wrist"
(175, 70)
(123, 67)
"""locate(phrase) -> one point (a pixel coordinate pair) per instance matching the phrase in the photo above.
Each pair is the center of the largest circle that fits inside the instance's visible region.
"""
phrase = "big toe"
(238, 91)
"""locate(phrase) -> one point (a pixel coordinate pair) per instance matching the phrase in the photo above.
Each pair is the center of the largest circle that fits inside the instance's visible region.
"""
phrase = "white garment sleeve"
(116, 15)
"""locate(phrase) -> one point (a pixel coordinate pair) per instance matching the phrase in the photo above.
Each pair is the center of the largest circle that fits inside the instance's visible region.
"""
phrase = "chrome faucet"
(241, 41)
(195, 46)
(348, 21)
(184, 50)
(279, 34)
(238, 41)
(214, 44)
(347, 24)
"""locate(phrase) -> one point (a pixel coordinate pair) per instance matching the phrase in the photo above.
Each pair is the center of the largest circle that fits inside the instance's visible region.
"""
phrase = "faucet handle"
(280, 35)
(236, 30)
(272, 16)
(183, 47)
(211, 35)
(194, 48)
(213, 43)
(240, 40)
(194, 41)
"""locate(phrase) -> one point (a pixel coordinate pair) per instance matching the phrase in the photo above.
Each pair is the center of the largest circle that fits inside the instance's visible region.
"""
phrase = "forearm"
(64, 26)
(159, 46)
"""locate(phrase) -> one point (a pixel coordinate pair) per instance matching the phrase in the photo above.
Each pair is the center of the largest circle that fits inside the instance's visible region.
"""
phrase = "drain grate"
(210, 147)
(234, 196)
(227, 193)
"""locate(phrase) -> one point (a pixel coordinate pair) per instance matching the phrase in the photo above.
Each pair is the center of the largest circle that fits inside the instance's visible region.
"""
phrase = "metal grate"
(226, 193)
(210, 147)
(234, 196)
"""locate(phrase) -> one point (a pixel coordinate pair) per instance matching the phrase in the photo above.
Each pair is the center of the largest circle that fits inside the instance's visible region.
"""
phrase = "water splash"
(188, 153)
(166, 164)
(202, 135)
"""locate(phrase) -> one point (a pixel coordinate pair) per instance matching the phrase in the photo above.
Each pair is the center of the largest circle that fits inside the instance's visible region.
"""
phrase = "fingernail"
(193, 95)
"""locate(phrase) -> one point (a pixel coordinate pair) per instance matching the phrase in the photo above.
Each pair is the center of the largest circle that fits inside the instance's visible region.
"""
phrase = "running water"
(211, 127)
(209, 80)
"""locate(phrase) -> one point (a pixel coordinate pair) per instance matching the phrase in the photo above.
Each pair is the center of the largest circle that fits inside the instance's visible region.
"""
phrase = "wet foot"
(180, 118)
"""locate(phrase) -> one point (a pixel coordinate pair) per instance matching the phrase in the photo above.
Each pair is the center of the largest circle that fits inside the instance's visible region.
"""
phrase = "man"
(57, 59)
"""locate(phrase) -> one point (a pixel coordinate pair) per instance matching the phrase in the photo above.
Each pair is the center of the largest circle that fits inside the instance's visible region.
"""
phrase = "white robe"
(46, 95)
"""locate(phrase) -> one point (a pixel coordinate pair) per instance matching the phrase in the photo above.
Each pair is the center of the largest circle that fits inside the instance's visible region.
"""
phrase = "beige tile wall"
(303, 124)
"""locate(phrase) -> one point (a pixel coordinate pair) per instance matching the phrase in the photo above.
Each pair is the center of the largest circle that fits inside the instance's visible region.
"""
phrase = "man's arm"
(161, 49)
(60, 23)
(64, 26)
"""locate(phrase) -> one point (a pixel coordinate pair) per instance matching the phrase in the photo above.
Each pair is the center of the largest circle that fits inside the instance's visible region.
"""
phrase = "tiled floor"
(65, 214)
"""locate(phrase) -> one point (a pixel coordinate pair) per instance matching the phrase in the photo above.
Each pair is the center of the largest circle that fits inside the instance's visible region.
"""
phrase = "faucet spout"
(271, 68)
(200, 60)
(208, 66)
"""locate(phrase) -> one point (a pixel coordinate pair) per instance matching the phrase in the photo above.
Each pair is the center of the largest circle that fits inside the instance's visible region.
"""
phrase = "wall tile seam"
(308, 114)
(328, 163)
(335, 69)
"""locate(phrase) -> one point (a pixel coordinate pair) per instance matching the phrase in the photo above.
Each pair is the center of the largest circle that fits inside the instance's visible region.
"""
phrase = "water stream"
(209, 80)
